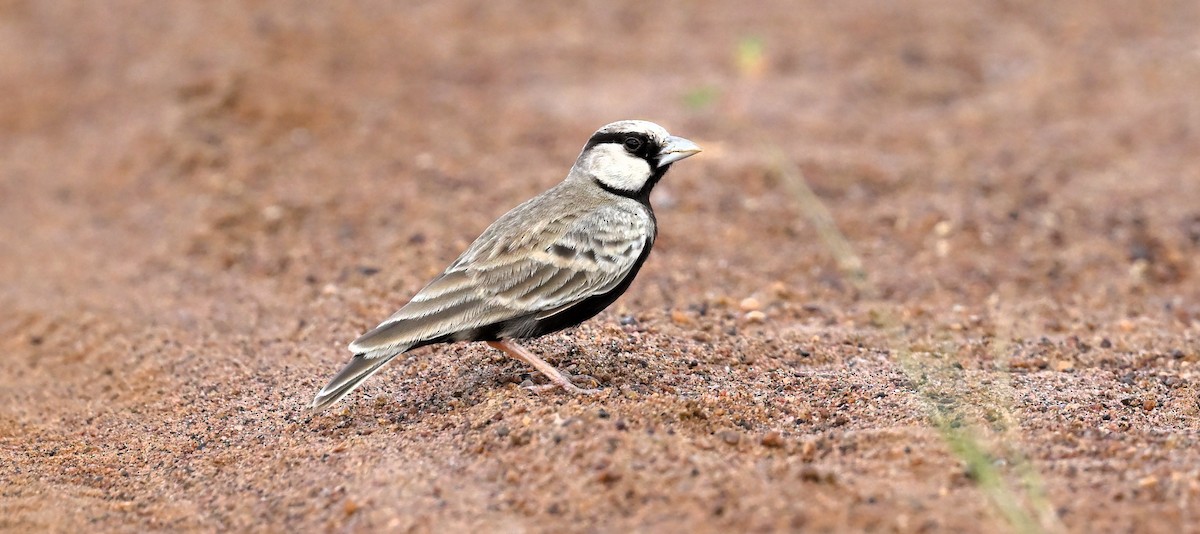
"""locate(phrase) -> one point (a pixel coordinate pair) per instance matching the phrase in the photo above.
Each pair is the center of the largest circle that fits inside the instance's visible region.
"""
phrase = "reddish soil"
(201, 203)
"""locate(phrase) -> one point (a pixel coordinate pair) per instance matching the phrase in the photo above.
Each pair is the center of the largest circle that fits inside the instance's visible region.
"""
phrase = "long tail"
(359, 369)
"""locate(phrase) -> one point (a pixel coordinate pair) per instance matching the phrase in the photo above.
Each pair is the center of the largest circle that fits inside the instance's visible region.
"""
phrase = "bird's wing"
(513, 271)
(590, 257)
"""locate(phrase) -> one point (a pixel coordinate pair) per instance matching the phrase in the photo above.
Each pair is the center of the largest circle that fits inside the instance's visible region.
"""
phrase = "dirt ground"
(201, 203)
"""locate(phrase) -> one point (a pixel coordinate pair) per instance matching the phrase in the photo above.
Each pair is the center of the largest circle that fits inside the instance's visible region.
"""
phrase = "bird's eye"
(632, 143)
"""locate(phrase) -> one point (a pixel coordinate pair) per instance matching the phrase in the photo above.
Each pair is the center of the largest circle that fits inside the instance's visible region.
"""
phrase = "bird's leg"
(557, 378)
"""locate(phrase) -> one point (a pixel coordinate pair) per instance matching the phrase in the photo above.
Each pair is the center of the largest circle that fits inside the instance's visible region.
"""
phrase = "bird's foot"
(558, 379)
(561, 381)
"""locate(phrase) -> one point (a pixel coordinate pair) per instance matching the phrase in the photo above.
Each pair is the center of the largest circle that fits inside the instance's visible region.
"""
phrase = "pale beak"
(675, 149)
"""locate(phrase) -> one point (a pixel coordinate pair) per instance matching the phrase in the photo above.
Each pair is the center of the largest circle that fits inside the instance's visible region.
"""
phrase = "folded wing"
(510, 277)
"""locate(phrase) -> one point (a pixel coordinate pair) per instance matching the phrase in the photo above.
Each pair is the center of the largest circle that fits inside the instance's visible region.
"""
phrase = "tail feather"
(360, 368)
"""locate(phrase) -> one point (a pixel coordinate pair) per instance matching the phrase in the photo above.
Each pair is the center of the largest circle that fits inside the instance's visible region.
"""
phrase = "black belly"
(587, 308)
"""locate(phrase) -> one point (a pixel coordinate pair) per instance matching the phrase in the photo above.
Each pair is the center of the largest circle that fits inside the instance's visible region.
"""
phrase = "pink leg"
(557, 378)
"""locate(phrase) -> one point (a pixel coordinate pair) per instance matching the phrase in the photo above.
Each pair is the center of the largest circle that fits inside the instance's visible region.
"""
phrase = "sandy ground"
(201, 203)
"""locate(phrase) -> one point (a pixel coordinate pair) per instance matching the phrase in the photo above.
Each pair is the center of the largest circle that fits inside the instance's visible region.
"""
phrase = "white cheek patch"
(616, 168)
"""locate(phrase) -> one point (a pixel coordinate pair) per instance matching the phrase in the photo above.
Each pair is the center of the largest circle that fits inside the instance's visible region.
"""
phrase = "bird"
(549, 264)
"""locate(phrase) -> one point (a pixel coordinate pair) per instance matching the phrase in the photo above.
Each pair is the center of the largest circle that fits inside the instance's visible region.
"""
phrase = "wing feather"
(591, 257)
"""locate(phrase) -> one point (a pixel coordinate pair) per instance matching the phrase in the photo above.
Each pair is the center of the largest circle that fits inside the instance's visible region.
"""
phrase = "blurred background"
(202, 202)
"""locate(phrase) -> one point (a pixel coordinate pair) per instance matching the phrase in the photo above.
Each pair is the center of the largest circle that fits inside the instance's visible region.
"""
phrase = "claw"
(567, 385)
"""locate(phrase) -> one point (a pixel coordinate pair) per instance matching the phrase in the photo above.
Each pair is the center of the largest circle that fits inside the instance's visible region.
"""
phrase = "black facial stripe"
(613, 190)
(648, 150)
(642, 195)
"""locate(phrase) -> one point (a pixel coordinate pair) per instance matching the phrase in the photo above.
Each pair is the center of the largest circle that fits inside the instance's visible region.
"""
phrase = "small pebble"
(810, 474)
(756, 316)
(272, 213)
(731, 437)
(772, 439)
(943, 228)
(808, 449)
(749, 304)
(781, 290)
(680, 318)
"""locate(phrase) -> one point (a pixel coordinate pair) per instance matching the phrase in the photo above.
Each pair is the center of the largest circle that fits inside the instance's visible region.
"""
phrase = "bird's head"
(629, 157)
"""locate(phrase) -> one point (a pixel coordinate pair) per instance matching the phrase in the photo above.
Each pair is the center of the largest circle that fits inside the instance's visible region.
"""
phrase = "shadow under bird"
(549, 264)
